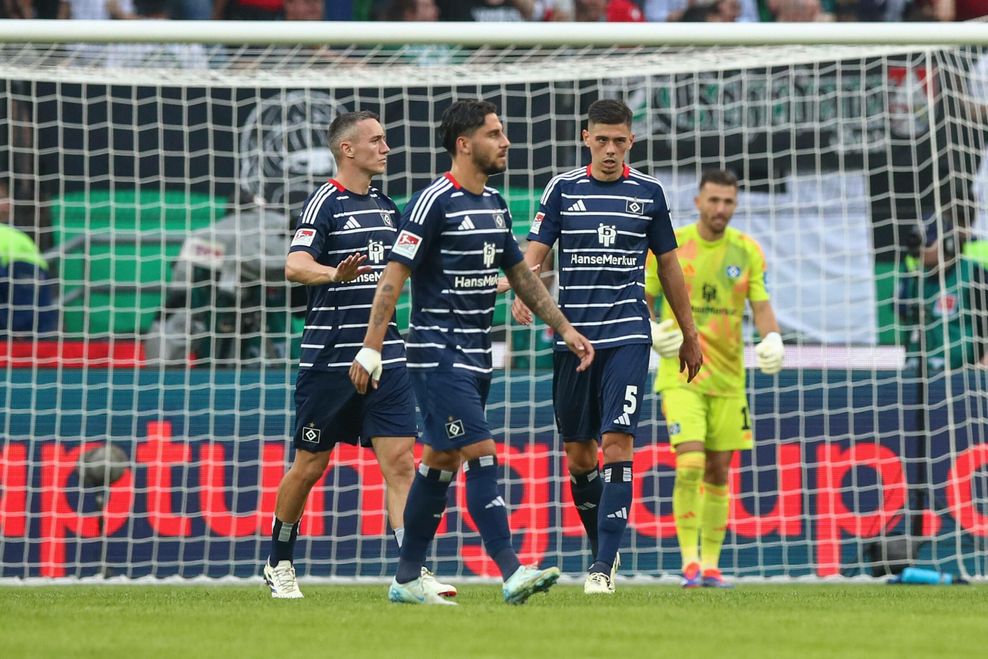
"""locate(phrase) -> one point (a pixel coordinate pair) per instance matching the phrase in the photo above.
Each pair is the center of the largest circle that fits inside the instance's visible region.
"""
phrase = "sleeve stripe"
(644, 177)
(427, 199)
(315, 204)
(570, 175)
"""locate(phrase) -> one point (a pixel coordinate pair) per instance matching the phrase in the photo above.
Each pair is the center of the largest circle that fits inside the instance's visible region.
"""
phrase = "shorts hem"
(451, 445)
(707, 447)
(570, 440)
(625, 431)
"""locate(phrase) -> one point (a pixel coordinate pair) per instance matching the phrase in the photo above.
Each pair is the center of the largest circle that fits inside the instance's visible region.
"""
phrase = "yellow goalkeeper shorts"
(722, 423)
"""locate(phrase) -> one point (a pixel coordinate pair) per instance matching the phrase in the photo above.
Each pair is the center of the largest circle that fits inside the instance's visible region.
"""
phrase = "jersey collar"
(336, 184)
(625, 173)
(449, 177)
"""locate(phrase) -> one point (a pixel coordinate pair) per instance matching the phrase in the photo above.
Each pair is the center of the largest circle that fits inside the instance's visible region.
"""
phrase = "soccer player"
(708, 420)
(343, 237)
(606, 216)
(454, 236)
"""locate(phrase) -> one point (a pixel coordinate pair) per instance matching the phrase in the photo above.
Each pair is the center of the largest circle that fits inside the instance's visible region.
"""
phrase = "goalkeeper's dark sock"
(486, 506)
(586, 489)
(283, 537)
(423, 512)
(615, 504)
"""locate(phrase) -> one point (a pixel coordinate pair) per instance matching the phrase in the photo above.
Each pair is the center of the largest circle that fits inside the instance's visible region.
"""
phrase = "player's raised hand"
(690, 356)
(366, 367)
(580, 346)
(350, 268)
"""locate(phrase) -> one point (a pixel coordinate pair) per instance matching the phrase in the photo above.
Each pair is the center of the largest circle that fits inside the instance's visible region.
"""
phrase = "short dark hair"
(610, 112)
(463, 118)
(719, 177)
(343, 124)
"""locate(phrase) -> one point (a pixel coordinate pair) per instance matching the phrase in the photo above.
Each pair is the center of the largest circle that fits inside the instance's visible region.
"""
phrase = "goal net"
(145, 432)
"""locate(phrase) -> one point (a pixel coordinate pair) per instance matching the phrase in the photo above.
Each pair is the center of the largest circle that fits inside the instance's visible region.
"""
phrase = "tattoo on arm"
(382, 301)
(533, 293)
(385, 299)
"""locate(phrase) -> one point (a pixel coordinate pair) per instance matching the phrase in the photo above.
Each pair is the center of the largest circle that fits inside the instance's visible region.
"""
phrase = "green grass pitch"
(801, 620)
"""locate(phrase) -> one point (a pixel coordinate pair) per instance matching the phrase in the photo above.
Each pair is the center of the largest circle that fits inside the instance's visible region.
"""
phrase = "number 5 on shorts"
(630, 399)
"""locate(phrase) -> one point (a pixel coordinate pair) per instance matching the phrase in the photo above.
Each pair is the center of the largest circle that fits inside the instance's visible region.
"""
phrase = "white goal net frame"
(158, 167)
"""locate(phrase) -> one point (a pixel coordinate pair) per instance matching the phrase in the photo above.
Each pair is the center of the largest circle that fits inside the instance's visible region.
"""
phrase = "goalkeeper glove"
(666, 338)
(769, 353)
(370, 360)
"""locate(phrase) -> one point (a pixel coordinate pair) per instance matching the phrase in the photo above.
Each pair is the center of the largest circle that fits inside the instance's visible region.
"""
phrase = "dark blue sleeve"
(510, 254)
(546, 223)
(315, 226)
(420, 227)
(661, 236)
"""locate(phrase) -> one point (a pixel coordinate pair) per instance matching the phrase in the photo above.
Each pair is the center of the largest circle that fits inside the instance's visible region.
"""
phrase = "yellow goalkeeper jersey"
(720, 276)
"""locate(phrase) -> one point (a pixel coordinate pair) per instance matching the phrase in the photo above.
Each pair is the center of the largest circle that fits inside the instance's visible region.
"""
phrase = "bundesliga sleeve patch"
(537, 222)
(407, 244)
(304, 237)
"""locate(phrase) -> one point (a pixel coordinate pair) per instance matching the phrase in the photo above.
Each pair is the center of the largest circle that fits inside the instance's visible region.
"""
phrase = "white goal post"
(158, 166)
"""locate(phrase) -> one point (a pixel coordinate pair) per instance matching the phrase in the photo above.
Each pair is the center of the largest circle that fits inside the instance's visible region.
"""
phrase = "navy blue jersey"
(335, 223)
(605, 230)
(454, 241)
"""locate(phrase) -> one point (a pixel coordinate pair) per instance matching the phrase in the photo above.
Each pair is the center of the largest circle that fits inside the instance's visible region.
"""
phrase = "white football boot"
(430, 582)
(528, 580)
(281, 579)
(598, 583)
(415, 592)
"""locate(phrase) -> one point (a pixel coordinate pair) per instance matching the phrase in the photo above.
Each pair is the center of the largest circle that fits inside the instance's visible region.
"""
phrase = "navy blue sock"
(283, 537)
(486, 506)
(423, 512)
(586, 489)
(615, 504)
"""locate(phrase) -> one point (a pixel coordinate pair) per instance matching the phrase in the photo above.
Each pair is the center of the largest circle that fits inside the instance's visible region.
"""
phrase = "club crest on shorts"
(674, 429)
(311, 434)
(454, 428)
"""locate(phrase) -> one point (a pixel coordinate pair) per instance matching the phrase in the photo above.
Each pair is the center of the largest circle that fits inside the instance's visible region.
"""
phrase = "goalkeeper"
(708, 420)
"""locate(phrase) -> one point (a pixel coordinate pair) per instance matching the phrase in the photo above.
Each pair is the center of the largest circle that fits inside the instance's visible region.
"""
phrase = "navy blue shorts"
(607, 397)
(328, 410)
(452, 401)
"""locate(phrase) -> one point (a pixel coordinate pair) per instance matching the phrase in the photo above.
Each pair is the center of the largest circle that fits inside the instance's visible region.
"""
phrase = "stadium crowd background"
(504, 10)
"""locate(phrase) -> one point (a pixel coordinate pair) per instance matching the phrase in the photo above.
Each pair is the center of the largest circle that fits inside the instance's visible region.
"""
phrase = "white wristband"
(370, 360)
